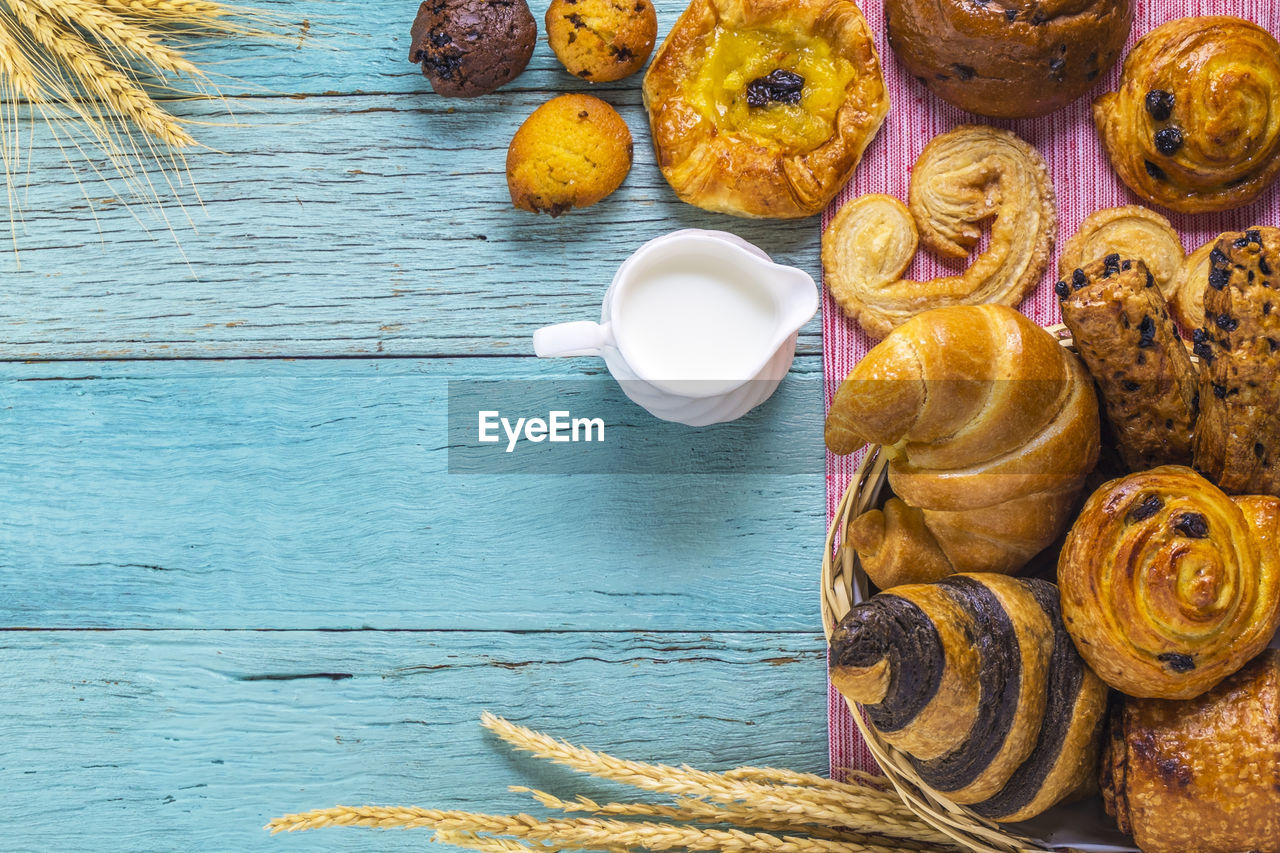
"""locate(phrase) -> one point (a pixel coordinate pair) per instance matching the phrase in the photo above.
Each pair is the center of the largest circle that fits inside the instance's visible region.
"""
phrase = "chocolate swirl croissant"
(976, 680)
(1195, 124)
(991, 427)
(1169, 585)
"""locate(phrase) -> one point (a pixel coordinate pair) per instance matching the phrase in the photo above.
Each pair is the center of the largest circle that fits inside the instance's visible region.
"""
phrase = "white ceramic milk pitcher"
(698, 327)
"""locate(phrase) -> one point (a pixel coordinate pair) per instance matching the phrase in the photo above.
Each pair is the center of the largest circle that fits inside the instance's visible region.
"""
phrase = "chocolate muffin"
(471, 47)
(1008, 58)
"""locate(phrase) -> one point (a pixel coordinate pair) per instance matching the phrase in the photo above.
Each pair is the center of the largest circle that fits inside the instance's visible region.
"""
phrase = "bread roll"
(1124, 334)
(1200, 775)
(1008, 58)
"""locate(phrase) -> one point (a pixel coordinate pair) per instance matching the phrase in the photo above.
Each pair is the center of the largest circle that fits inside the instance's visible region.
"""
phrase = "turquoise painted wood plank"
(316, 494)
(343, 226)
(131, 741)
(334, 224)
(362, 47)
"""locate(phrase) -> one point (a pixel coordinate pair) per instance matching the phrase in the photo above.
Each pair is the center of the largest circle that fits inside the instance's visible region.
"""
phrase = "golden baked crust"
(1238, 432)
(1127, 339)
(1187, 300)
(1009, 725)
(1195, 125)
(960, 180)
(777, 160)
(1008, 58)
(1169, 585)
(601, 40)
(1200, 775)
(1135, 234)
(571, 152)
(991, 428)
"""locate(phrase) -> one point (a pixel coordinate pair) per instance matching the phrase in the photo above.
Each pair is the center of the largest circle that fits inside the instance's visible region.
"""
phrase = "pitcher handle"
(582, 337)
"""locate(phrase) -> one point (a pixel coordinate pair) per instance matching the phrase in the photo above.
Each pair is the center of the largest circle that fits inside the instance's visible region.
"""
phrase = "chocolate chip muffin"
(602, 40)
(471, 47)
(573, 151)
(1008, 58)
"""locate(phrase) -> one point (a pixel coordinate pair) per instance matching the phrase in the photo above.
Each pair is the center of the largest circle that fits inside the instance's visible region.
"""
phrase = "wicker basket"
(844, 583)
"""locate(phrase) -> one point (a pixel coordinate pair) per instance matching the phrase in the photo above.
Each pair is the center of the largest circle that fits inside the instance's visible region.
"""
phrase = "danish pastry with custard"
(1195, 125)
(762, 108)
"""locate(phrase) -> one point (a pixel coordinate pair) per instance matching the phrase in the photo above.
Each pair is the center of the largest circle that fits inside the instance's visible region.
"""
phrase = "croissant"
(990, 427)
(1203, 774)
(1168, 584)
(975, 679)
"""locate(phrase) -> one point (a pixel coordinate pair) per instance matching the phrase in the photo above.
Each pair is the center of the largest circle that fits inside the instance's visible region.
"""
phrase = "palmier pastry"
(1128, 341)
(1195, 125)
(1135, 234)
(1187, 303)
(1238, 432)
(1008, 58)
(1200, 775)
(764, 107)
(960, 180)
(1169, 585)
(976, 680)
(990, 427)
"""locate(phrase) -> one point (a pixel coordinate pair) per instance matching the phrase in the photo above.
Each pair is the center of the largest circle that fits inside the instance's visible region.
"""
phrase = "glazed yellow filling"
(737, 57)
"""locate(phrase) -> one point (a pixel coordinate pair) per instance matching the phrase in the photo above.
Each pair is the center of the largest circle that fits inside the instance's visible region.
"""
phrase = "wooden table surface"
(236, 576)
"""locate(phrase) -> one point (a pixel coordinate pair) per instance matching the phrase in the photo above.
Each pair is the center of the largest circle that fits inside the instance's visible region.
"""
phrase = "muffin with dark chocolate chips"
(471, 47)
(602, 40)
(1008, 58)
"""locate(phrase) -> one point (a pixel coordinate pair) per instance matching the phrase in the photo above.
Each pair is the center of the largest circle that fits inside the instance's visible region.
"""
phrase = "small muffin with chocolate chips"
(573, 151)
(602, 40)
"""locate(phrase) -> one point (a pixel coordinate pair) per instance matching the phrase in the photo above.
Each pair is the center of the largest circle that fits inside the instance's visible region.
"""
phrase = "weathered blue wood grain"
(336, 225)
(316, 494)
(178, 740)
(328, 229)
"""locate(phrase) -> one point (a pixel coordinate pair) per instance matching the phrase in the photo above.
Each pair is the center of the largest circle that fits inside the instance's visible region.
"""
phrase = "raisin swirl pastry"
(1127, 339)
(976, 680)
(1238, 432)
(1195, 125)
(1169, 585)
(1203, 774)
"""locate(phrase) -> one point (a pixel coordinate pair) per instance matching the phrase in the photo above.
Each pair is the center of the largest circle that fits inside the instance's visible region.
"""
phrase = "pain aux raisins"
(1159, 104)
(778, 86)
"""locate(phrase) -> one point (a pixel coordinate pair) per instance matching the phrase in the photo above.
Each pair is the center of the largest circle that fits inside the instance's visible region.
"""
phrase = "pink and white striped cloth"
(1084, 182)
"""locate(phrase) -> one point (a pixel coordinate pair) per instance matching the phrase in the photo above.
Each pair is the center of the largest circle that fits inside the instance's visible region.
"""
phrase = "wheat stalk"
(753, 810)
(701, 811)
(836, 804)
(79, 65)
(582, 833)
